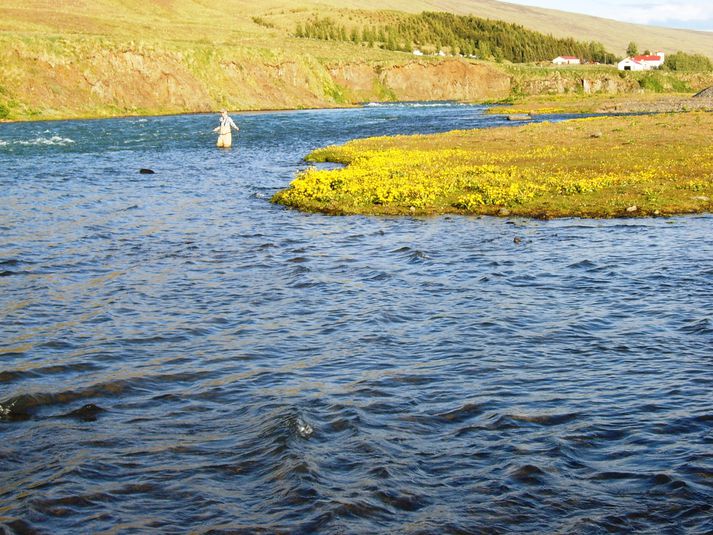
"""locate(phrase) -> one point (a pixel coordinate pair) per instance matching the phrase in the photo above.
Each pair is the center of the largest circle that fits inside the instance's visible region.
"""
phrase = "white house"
(417, 52)
(566, 60)
(642, 63)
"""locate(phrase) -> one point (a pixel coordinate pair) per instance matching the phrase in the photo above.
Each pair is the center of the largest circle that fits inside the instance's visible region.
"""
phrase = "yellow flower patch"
(546, 169)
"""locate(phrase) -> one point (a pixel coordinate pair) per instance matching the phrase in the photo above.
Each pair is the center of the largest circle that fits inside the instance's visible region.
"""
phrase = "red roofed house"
(566, 60)
(642, 63)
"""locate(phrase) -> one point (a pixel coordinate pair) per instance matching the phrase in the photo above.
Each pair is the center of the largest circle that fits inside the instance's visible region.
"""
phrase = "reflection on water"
(178, 355)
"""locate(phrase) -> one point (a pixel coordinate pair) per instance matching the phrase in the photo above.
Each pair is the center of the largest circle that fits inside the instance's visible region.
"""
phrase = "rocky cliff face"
(417, 80)
(98, 82)
(556, 84)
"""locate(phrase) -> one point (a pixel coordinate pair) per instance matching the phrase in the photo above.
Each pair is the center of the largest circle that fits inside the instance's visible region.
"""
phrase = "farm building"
(566, 60)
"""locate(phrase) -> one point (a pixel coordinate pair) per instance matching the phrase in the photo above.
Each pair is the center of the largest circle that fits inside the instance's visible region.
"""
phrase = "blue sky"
(691, 14)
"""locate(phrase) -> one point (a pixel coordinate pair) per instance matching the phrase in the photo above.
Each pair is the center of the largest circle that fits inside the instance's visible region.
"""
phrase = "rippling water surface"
(177, 355)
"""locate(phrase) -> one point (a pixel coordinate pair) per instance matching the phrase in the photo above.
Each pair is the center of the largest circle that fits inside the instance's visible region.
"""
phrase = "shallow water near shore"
(177, 355)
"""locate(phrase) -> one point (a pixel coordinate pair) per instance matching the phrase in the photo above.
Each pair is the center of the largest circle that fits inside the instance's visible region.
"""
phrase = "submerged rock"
(519, 117)
(17, 409)
(144, 171)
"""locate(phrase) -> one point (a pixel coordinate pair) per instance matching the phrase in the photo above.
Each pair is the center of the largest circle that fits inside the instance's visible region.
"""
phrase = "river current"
(178, 355)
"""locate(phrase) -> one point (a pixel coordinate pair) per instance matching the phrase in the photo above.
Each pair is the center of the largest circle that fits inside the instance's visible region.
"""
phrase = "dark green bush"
(652, 82)
(682, 61)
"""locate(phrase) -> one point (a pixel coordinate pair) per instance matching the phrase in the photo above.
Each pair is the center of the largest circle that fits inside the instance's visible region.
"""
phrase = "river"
(178, 355)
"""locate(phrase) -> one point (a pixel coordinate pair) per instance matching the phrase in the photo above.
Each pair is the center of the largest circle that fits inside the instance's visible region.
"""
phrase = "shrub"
(651, 82)
(682, 61)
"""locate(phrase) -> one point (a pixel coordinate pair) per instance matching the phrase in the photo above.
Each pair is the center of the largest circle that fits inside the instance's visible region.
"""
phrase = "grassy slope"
(602, 167)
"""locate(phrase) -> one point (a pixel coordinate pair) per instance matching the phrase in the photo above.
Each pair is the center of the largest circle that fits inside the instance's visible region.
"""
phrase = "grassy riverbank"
(597, 167)
(602, 103)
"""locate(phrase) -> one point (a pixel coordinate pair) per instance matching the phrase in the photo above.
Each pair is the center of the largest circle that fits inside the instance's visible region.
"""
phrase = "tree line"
(458, 34)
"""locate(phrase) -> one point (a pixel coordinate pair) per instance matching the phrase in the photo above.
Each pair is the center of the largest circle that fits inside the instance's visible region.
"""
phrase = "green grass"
(337, 93)
(663, 82)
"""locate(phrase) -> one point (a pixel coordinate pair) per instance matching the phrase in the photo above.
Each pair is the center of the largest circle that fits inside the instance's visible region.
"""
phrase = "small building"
(653, 61)
(567, 60)
(417, 52)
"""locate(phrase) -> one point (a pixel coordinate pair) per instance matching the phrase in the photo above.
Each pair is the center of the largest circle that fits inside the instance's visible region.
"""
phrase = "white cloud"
(676, 13)
(667, 12)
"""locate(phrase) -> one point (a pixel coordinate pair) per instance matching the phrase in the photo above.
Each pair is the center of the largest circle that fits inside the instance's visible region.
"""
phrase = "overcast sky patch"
(691, 14)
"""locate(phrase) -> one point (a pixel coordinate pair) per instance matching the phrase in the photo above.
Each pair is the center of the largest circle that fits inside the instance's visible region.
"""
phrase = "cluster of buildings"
(442, 54)
(642, 63)
(632, 63)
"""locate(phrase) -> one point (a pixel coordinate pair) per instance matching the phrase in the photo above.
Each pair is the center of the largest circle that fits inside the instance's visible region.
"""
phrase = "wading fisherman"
(225, 139)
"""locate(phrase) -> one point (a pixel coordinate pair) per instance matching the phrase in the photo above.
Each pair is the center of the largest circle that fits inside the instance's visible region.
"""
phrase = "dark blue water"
(177, 355)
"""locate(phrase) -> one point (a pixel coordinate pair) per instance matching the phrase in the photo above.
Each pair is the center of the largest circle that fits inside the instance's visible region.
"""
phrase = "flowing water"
(178, 355)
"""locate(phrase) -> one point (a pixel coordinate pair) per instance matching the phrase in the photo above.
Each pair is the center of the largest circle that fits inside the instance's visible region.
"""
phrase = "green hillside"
(229, 20)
